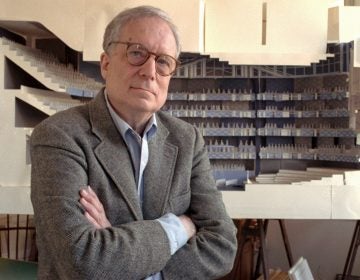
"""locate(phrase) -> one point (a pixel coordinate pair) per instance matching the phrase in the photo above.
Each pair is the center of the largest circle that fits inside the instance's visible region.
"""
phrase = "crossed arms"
(102, 239)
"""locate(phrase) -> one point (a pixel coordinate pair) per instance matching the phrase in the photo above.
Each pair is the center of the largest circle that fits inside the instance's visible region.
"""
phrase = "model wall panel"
(228, 23)
(297, 37)
(333, 24)
(298, 26)
(357, 52)
(349, 23)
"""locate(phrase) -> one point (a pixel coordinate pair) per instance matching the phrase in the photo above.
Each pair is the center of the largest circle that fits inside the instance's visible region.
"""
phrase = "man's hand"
(189, 225)
(94, 210)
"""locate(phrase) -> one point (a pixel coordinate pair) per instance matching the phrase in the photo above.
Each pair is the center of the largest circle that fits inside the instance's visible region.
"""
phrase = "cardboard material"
(15, 200)
(345, 202)
(279, 201)
(258, 201)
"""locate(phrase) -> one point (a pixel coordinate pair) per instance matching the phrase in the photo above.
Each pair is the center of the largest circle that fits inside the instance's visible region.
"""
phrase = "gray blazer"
(81, 147)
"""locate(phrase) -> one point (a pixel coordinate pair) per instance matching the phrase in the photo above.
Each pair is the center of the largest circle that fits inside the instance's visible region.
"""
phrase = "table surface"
(294, 202)
(15, 270)
(282, 201)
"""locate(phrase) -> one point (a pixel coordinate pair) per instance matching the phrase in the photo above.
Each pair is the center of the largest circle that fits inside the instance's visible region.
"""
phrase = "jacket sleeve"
(211, 253)
(67, 241)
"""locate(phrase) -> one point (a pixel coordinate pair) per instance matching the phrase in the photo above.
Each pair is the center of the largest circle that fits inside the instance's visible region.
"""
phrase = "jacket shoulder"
(70, 119)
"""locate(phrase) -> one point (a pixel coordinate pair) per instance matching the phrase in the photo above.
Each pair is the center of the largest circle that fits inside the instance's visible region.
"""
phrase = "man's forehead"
(139, 23)
(136, 31)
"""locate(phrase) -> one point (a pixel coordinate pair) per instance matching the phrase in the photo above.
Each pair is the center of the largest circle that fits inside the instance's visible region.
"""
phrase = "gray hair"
(114, 28)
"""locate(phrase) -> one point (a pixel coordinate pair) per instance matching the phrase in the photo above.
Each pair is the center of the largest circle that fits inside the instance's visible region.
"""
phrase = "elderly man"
(150, 209)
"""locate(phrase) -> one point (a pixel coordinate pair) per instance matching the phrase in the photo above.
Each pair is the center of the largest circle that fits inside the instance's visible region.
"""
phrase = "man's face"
(132, 89)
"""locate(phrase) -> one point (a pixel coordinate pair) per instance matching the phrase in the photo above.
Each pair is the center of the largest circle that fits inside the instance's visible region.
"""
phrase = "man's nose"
(148, 69)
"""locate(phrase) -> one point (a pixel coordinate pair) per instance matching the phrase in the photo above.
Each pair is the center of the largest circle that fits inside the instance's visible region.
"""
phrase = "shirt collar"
(123, 127)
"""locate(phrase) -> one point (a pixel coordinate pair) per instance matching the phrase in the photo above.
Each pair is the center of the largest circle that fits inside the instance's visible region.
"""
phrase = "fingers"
(91, 199)
(92, 220)
(94, 210)
(90, 209)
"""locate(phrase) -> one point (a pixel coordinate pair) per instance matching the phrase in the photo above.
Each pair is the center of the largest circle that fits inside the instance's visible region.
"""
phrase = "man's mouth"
(144, 89)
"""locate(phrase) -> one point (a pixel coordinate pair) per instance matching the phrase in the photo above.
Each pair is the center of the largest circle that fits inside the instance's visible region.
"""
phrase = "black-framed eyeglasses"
(138, 54)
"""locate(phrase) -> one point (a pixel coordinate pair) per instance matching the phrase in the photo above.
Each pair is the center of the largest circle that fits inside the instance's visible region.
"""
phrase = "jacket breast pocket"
(180, 204)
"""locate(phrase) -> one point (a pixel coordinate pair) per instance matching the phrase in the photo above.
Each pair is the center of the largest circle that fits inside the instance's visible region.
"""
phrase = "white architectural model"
(59, 79)
(79, 25)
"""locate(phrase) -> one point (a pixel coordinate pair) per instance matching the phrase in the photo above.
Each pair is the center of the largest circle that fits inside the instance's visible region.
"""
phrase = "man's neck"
(136, 121)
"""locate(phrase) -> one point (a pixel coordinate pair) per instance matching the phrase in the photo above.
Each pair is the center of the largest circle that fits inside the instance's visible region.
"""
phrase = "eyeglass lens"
(138, 55)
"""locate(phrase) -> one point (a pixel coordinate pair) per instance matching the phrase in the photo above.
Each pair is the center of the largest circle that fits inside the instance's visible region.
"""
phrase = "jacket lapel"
(113, 155)
(158, 173)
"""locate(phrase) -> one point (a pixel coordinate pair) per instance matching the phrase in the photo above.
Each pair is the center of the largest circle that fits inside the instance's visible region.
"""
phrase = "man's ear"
(104, 64)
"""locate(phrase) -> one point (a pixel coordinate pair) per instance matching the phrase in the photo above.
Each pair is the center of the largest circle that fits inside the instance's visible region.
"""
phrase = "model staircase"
(49, 71)
(46, 101)
(273, 71)
(310, 176)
